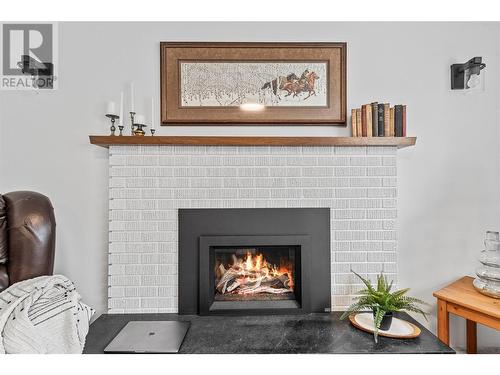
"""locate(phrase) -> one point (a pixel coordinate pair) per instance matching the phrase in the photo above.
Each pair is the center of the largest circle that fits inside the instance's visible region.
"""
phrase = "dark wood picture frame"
(173, 53)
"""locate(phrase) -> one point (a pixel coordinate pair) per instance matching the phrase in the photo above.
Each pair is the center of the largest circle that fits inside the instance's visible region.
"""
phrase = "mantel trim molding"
(106, 141)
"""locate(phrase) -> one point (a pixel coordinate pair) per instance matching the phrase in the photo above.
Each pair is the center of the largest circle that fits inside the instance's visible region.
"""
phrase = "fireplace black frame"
(207, 303)
(194, 224)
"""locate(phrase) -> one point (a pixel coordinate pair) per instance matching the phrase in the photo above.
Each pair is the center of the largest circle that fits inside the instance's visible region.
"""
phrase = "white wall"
(448, 183)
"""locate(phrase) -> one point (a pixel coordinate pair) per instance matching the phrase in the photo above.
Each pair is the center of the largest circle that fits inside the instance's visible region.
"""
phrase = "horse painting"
(292, 84)
(231, 84)
(280, 83)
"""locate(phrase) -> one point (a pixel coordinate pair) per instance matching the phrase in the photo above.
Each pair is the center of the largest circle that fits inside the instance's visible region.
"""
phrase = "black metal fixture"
(466, 76)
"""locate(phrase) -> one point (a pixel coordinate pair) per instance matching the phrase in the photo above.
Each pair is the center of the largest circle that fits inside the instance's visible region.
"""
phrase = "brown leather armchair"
(27, 237)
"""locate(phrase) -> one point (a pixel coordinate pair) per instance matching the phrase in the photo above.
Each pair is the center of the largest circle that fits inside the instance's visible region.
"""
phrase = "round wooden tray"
(407, 330)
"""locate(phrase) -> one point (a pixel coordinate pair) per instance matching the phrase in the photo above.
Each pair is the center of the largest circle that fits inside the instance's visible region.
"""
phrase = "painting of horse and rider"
(225, 84)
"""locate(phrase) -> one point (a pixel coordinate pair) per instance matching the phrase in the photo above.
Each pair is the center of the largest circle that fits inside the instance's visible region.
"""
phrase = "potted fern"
(383, 303)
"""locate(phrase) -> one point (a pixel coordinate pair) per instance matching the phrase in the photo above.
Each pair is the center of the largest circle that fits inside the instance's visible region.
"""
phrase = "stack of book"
(379, 120)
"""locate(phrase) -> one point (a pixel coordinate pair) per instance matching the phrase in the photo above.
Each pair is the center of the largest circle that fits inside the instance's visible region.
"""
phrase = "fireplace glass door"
(260, 273)
(254, 274)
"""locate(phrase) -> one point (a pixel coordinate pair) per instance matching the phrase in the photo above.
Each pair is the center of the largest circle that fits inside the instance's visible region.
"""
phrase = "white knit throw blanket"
(43, 315)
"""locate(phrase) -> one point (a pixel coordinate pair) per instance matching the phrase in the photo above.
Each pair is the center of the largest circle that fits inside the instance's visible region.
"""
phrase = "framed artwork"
(253, 83)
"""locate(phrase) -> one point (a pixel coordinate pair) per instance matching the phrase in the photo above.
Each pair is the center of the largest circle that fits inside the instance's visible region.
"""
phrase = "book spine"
(358, 122)
(353, 123)
(398, 120)
(380, 120)
(387, 113)
(374, 119)
(391, 122)
(369, 121)
(363, 121)
(404, 121)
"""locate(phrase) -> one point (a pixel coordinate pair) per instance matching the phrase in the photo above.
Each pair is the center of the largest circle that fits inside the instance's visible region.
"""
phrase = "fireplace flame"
(252, 274)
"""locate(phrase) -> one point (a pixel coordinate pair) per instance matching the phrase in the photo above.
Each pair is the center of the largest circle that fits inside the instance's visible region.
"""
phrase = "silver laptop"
(149, 337)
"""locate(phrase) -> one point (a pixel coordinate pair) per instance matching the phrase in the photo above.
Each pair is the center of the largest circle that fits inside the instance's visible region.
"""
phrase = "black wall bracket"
(461, 72)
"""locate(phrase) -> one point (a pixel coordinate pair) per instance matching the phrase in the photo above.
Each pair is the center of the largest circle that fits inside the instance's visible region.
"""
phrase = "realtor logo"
(29, 56)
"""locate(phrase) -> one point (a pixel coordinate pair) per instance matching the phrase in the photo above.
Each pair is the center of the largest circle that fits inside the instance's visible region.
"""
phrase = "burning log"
(263, 289)
(233, 286)
(253, 276)
(222, 270)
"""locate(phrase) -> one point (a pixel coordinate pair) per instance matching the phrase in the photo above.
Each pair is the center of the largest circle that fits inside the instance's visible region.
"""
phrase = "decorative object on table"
(152, 131)
(379, 120)
(383, 303)
(467, 76)
(139, 125)
(253, 83)
(399, 329)
(488, 274)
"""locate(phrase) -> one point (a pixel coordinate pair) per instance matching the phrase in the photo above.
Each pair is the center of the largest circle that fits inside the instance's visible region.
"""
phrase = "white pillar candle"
(120, 121)
(132, 105)
(152, 113)
(139, 119)
(111, 108)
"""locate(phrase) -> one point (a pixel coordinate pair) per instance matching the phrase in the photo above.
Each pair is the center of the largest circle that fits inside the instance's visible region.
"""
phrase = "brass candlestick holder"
(113, 118)
(132, 115)
(138, 131)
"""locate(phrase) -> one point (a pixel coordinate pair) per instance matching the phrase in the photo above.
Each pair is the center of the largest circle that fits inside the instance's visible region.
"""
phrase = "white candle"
(120, 121)
(132, 105)
(111, 108)
(139, 119)
(152, 113)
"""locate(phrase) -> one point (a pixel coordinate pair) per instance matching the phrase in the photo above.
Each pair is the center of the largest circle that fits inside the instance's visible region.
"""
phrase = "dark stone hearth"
(286, 334)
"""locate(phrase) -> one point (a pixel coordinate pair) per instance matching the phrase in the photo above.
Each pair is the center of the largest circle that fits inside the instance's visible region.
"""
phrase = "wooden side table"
(460, 298)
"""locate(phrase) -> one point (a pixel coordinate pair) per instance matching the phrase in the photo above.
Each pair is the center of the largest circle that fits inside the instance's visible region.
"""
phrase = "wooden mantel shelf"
(106, 141)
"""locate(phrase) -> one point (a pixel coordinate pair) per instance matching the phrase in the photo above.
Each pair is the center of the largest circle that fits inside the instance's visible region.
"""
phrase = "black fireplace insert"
(254, 261)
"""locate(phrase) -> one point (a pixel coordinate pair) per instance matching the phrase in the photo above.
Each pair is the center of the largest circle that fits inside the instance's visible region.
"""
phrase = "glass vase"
(488, 274)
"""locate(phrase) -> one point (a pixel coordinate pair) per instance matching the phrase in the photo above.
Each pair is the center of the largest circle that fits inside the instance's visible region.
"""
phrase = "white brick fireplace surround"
(147, 184)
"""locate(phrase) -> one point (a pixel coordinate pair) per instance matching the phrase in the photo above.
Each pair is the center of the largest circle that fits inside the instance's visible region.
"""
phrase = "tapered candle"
(120, 121)
(132, 105)
(139, 119)
(111, 108)
(152, 113)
